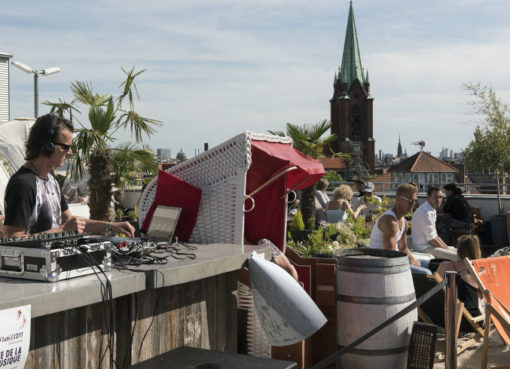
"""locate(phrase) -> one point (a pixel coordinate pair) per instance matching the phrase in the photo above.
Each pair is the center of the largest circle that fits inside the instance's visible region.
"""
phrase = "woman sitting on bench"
(468, 246)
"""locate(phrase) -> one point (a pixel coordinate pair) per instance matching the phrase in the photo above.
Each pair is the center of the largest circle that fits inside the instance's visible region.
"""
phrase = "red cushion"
(172, 191)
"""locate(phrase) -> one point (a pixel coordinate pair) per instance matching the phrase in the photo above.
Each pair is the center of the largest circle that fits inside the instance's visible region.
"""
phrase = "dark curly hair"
(39, 134)
(453, 187)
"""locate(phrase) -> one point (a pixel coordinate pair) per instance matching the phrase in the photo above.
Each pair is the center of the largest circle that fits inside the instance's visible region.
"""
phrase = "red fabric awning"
(267, 186)
(283, 156)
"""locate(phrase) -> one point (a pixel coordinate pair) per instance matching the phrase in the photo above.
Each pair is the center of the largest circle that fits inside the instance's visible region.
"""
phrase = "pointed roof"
(351, 68)
(399, 147)
(423, 162)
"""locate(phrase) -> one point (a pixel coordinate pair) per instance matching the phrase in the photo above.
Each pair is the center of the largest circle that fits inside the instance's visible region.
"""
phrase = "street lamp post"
(45, 72)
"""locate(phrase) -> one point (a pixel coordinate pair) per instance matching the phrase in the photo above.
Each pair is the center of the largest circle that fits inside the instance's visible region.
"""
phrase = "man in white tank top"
(389, 232)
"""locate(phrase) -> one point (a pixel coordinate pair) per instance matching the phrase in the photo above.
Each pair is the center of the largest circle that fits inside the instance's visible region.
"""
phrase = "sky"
(216, 68)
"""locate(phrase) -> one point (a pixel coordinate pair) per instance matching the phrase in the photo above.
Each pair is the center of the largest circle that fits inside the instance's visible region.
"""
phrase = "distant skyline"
(218, 68)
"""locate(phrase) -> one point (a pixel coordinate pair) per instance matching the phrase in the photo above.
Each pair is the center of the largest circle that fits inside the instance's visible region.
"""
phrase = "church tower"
(399, 148)
(351, 105)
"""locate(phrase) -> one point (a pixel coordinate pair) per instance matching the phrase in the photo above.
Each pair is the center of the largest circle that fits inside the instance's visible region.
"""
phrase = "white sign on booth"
(14, 337)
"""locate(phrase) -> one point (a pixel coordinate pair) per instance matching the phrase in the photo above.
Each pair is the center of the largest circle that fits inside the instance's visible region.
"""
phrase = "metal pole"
(451, 321)
(36, 94)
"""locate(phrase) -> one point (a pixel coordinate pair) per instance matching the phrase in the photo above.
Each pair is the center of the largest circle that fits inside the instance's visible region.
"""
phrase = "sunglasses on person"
(66, 147)
(410, 201)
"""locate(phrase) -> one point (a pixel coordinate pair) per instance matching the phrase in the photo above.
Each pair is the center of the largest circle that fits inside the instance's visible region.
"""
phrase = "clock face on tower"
(356, 148)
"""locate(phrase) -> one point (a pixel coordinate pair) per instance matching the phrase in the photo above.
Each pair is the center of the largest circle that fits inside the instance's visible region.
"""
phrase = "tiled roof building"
(332, 163)
(424, 170)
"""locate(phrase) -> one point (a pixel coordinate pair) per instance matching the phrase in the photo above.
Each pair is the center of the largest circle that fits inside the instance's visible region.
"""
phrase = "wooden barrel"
(372, 286)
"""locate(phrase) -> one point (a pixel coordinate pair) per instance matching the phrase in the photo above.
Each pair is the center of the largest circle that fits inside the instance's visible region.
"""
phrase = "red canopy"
(275, 168)
(284, 156)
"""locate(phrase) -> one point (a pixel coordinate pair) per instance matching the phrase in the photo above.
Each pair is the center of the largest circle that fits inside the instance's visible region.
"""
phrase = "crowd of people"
(430, 232)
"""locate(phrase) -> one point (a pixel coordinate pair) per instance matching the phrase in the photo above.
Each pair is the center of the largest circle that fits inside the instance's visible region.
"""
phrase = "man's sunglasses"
(66, 147)
(410, 201)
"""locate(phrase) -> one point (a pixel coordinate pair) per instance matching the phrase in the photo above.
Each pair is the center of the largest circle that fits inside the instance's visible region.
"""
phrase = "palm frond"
(128, 85)
(101, 119)
(138, 124)
(62, 106)
(307, 138)
(84, 94)
(130, 162)
(277, 133)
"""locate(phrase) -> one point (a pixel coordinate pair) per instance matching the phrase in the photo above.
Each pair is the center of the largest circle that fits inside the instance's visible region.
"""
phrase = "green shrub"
(131, 215)
(297, 223)
(119, 214)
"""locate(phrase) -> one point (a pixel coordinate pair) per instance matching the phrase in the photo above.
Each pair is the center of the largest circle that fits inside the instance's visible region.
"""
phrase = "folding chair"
(432, 311)
(492, 276)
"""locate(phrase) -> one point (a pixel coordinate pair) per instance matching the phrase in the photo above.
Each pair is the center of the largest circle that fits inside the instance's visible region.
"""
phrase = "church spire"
(399, 148)
(351, 68)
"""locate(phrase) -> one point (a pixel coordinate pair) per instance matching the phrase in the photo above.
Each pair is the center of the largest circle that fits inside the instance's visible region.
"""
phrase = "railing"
(481, 195)
(468, 188)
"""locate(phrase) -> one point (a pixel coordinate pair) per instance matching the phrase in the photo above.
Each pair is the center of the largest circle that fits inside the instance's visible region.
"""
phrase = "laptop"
(163, 223)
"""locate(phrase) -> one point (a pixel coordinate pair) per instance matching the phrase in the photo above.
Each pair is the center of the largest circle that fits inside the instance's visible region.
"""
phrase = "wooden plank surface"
(200, 314)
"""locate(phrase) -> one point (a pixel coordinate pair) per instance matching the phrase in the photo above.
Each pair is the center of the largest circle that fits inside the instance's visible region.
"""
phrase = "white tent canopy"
(13, 135)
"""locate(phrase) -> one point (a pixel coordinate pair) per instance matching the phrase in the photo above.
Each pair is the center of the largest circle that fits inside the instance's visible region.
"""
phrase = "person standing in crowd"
(423, 228)
(390, 230)
(457, 213)
(34, 202)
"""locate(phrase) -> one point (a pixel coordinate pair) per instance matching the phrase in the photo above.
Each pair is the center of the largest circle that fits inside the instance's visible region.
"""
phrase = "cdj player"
(53, 256)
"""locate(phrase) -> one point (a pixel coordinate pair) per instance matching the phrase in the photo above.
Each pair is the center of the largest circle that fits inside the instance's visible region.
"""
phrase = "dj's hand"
(76, 224)
(124, 227)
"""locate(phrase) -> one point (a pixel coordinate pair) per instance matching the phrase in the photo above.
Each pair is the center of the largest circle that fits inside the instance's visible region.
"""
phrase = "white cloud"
(217, 68)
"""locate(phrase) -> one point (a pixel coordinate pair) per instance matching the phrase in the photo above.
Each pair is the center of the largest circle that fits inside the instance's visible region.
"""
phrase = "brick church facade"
(352, 107)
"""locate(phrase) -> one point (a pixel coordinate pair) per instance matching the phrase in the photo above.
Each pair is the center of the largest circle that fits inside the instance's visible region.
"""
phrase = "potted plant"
(91, 145)
(297, 231)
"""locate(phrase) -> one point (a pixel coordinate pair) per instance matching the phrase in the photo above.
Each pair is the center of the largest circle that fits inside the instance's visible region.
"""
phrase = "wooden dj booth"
(183, 303)
(158, 308)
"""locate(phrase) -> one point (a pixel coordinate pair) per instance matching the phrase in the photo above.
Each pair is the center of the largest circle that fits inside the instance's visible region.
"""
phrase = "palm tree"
(308, 138)
(130, 163)
(91, 145)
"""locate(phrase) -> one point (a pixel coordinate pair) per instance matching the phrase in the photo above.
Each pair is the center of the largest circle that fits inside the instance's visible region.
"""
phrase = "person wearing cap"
(371, 202)
(457, 213)
(423, 228)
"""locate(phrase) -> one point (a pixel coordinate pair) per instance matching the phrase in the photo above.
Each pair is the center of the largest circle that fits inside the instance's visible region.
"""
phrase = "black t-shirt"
(33, 202)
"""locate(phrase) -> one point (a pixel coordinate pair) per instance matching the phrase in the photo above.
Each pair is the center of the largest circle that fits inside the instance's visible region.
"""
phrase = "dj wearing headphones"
(34, 202)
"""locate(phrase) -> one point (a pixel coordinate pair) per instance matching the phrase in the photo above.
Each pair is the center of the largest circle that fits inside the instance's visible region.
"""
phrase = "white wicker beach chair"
(221, 174)
(224, 174)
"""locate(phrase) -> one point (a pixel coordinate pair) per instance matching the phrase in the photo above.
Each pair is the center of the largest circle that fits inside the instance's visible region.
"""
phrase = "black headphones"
(49, 148)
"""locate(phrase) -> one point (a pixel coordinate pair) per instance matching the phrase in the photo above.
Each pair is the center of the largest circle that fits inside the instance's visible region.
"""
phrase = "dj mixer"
(54, 256)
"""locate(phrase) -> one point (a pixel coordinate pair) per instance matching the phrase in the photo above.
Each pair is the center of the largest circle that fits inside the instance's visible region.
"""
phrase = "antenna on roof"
(419, 143)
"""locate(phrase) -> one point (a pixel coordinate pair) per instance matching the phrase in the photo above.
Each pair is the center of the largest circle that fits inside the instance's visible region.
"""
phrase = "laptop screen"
(163, 222)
